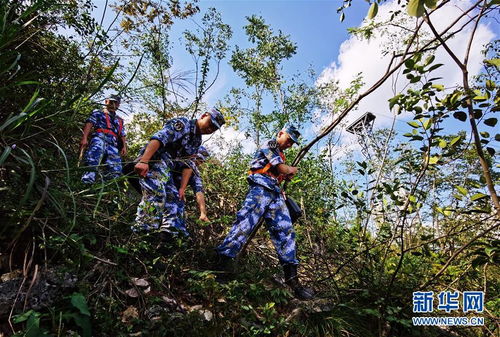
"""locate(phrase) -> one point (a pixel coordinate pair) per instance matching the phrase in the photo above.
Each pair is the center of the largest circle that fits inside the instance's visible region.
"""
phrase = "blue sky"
(323, 44)
(313, 25)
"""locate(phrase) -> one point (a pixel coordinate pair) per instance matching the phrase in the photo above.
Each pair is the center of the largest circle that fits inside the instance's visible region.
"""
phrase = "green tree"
(260, 67)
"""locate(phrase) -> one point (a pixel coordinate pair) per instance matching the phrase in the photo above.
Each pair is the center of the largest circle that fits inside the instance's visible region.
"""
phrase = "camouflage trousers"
(261, 202)
(160, 208)
(102, 151)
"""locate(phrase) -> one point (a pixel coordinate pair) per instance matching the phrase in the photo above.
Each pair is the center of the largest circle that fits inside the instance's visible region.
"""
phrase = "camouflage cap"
(217, 118)
(292, 132)
(114, 97)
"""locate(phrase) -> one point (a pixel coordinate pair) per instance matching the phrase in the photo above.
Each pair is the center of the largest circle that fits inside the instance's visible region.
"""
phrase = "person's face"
(284, 140)
(111, 105)
(205, 124)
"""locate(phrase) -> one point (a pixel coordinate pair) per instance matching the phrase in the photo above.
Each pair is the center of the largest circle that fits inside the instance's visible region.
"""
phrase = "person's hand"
(292, 171)
(123, 152)
(182, 194)
(203, 217)
(83, 143)
(141, 169)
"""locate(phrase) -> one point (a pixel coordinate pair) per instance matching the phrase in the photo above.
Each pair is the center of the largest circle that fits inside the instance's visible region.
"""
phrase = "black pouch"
(293, 208)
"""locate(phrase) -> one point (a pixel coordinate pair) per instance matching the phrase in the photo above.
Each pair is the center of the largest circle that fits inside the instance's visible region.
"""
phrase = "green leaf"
(342, 17)
(462, 190)
(79, 302)
(121, 250)
(478, 196)
(460, 115)
(84, 323)
(415, 8)
(372, 312)
(413, 124)
(438, 87)
(410, 63)
(22, 317)
(480, 98)
(454, 140)
(429, 60)
(497, 137)
(27, 112)
(33, 327)
(14, 63)
(455, 97)
(427, 124)
(433, 160)
(490, 250)
(491, 122)
(491, 151)
(490, 85)
(27, 82)
(372, 12)
(479, 261)
(363, 164)
(434, 67)
(447, 211)
(31, 181)
(5, 154)
(442, 143)
(430, 3)
(493, 62)
(493, 3)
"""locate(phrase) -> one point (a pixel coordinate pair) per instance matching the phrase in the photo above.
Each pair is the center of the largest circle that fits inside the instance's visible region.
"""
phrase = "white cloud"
(366, 56)
(214, 93)
(222, 142)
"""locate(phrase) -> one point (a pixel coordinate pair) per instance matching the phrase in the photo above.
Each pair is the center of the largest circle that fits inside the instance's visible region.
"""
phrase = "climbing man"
(108, 141)
(185, 174)
(265, 199)
(178, 141)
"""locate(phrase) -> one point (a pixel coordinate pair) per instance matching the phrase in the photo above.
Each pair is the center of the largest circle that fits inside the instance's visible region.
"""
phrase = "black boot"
(292, 280)
(165, 242)
(224, 263)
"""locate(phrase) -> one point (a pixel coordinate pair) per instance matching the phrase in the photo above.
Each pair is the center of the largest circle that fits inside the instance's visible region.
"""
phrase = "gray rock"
(48, 287)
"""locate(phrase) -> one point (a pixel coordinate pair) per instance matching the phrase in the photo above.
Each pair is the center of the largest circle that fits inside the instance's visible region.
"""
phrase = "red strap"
(265, 170)
(109, 132)
(108, 125)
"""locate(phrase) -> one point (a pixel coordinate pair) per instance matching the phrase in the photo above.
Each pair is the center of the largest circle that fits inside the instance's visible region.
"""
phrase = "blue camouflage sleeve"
(272, 153)
(93, 118)
(172, 131)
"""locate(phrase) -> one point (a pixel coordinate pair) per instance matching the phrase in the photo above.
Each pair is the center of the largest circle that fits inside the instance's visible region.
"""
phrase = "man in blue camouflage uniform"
(178, 141)
(265, 199)
(104, 144)
(185, 174)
